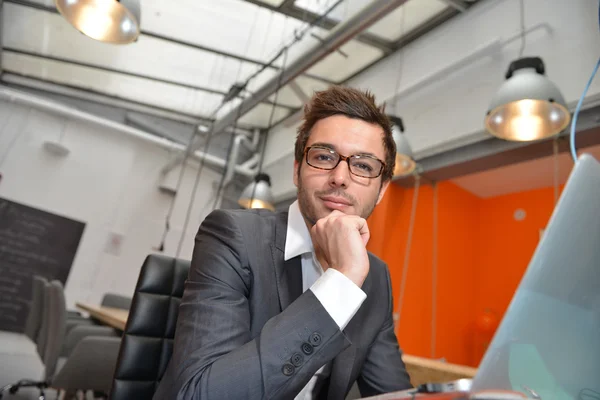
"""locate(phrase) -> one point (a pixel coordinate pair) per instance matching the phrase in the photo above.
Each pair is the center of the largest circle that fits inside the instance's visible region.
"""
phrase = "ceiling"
(191, 52)
(519, 177)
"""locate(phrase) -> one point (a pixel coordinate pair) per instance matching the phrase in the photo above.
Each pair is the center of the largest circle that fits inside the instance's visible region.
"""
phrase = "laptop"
(548, 343)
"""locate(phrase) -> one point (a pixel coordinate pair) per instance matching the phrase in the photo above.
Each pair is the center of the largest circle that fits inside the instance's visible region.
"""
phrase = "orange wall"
(482, 254)
(506, 246)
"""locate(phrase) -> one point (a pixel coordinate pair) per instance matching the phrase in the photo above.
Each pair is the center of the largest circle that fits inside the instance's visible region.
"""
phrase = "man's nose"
(340, 175)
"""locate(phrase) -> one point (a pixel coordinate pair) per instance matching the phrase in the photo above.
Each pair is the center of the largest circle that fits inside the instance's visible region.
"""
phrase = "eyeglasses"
(362, 165)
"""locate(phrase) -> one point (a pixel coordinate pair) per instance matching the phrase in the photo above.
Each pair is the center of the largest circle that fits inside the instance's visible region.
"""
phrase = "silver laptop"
(548, 343)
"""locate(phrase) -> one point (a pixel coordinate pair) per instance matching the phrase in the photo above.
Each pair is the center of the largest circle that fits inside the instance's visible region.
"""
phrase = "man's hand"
(341, 241)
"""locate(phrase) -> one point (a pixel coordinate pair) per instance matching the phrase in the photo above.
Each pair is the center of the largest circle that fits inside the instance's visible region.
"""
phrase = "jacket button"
(315, 339)
(307, 348)
(288, 369)
(297, 359)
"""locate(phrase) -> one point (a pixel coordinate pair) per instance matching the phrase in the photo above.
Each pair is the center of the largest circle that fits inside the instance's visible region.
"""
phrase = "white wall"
(448, 112)
(109, 181)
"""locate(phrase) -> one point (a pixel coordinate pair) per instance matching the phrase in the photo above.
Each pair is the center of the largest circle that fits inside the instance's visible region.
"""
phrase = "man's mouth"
(335, 202)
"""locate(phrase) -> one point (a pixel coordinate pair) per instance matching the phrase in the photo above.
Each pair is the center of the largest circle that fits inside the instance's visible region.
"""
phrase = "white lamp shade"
(258, 194)
(528, 106)
(109, 21)
(405, 164)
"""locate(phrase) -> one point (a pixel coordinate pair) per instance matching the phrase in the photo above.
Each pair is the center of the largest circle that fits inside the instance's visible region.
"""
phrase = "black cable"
(269, 125)
(222, 180)
(221, 185)
(194, 190)
(186, 156)
(297, 38)
(523, 36)
(177, 187)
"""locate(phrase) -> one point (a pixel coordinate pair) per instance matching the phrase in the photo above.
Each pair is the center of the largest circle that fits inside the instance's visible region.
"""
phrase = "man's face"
(321, 191)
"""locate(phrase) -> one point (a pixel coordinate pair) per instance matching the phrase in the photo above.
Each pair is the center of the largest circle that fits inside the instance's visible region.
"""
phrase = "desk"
(115, 317)
(426, 370)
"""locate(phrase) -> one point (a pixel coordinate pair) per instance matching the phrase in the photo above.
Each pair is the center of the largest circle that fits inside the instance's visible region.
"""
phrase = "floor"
(19, 360)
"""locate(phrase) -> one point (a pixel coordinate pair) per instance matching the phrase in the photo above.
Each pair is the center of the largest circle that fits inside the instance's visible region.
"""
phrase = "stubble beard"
(307, 203)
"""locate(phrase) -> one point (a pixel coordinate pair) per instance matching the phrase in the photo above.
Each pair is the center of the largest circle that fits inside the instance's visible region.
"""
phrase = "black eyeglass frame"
(344, 158)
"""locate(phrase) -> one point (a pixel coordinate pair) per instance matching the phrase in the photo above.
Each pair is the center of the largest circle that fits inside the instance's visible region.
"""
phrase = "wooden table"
(425, 370)
(115, 317)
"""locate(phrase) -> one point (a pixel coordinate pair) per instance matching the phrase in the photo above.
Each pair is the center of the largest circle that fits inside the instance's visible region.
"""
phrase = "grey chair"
(116, 301)
(25, 343)
(90, 363)
(34, 317)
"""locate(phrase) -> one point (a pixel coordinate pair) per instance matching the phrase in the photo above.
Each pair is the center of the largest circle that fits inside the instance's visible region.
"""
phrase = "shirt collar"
(297, 239)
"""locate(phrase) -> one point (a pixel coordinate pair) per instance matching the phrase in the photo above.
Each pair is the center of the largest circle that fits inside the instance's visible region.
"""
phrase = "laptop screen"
(548, 344)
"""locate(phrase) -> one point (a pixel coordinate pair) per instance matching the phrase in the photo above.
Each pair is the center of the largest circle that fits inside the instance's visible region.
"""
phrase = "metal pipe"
(149, 126)
(459, 5)
(255, 139)
(338, 36)
(42, 104)
(250, 164)
(231, 163)
(54, 88)
(248, 168)
(51, 107)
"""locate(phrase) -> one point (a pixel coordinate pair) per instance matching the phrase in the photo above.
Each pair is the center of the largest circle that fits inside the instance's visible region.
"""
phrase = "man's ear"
(384, 187)
(296, 167)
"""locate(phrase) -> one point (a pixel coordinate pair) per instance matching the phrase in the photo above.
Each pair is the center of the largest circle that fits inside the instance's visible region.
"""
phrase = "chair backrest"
(42, 336)
(36, 310)
(147, 343)
(116, 301)
(57, 317)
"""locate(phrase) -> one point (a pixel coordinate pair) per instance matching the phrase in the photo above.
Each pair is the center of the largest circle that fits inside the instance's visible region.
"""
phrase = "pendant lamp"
(258, 194)
(528, 106)
(405, 163)
(111, 21)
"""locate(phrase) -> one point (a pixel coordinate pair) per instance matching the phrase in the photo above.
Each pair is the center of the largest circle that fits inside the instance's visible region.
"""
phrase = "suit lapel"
(288, 274)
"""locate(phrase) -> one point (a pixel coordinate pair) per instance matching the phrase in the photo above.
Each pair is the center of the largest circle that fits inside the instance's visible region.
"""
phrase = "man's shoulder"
(376, 262)
(248, 218)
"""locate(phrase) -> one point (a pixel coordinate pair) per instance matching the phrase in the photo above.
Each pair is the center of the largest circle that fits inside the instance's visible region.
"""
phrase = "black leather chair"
(147, 343)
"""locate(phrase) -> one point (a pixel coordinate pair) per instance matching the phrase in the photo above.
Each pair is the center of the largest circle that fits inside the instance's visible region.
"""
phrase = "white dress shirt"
(340, 297)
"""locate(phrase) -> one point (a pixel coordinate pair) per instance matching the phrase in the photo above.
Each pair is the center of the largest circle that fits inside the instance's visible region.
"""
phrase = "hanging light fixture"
(405, 163)
(112, 21)
(258, 194)
(528, 106)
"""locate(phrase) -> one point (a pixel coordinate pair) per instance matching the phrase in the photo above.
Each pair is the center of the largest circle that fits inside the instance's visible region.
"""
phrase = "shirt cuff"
(339, 295)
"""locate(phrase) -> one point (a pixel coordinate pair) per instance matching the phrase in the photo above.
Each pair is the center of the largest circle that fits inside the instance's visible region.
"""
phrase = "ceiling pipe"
(337, 37)
(238, 141)
(247, 169)
(82, 94)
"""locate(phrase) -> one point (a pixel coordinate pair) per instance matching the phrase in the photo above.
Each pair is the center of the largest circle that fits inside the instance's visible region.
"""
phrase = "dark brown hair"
(353, 103)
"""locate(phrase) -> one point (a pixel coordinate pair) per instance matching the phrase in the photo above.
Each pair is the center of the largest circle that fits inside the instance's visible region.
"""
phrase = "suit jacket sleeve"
(383, 370)
(214, 355)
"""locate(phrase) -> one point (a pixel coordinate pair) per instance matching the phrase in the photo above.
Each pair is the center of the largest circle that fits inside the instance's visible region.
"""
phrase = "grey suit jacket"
(245, 330)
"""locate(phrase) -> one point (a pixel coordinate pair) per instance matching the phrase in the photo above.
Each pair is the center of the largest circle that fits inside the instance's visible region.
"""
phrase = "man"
(291, 305)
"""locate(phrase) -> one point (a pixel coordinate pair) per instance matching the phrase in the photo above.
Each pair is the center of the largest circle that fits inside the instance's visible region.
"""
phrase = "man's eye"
(324, 157)
(363, 166)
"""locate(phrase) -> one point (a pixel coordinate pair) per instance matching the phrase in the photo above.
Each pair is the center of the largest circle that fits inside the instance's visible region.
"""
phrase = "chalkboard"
(32, 242)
